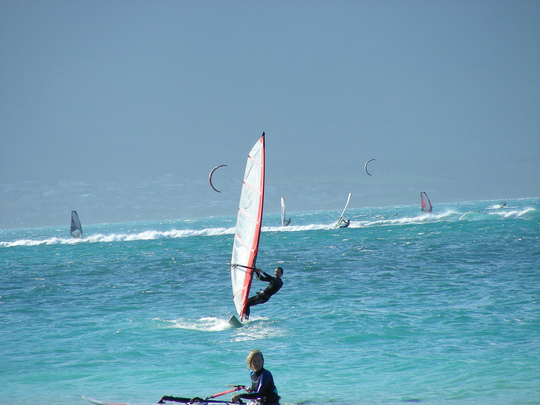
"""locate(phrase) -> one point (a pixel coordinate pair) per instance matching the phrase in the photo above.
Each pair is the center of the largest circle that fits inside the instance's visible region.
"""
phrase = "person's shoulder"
(266, 372)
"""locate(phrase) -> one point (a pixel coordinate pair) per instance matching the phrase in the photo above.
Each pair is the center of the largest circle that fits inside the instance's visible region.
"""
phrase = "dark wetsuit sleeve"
(264, 276)
(265, 386)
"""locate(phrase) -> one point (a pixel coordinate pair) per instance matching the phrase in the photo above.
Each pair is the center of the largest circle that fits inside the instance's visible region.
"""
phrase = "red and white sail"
(248, 227)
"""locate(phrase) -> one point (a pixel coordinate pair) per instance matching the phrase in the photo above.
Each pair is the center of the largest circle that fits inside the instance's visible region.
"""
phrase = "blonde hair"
(251, 355)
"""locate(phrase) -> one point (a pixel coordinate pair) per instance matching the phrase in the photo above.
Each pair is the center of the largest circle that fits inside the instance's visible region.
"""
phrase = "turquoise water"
(401, 307)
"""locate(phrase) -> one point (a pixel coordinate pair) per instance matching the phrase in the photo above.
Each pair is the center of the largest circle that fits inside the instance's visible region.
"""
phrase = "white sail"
(76, 227)
(248, 227)
(340, 220)
(284, 220)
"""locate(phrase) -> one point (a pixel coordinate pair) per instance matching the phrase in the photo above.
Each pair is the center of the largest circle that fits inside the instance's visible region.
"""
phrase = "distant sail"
(284, 222)
(340, 222)
(248, 227)
(424, 201)
(76, 227)
(210, 177)
(366, 165)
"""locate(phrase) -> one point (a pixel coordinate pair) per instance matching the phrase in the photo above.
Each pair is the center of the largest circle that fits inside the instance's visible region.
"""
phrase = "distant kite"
(365, 166)
(210, 177)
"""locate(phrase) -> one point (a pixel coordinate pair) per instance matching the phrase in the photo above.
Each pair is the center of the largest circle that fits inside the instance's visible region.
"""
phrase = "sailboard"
(165, 400)
(284, 221)
(99, 402)
(424, 201)
(76, 227)
(248, 226)
(340, 220)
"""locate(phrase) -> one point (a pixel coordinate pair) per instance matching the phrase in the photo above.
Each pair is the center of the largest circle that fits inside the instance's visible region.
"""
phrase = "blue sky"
(444, 94)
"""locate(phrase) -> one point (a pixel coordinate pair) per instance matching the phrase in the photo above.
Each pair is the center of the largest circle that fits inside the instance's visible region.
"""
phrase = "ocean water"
(401, 307)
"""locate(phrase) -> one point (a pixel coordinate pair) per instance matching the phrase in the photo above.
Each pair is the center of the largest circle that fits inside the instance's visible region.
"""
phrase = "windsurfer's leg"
(251, 301)
(255, 300)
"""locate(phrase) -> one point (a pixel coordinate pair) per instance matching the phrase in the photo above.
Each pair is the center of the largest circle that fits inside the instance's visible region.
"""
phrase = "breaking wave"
(361, 220)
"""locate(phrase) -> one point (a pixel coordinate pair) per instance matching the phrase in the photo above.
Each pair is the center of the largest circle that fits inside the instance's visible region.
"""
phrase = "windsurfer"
(262, 382)
(345, 223)
(262, 296)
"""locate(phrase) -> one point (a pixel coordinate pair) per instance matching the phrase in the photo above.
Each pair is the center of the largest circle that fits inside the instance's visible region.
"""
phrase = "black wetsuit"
(262, 296)
(263, 388)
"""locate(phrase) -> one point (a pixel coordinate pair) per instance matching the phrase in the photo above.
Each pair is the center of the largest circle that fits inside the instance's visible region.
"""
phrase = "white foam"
(153, 234)
(205, 324)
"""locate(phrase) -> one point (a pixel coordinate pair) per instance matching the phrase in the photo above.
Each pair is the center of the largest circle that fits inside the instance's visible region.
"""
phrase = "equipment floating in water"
(167, 399)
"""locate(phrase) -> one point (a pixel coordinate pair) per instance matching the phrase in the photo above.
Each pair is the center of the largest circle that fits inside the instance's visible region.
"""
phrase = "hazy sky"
(444, 94)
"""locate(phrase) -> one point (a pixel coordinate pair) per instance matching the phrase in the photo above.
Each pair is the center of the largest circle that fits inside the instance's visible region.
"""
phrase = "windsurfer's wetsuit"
(262, 388)
(262, 296)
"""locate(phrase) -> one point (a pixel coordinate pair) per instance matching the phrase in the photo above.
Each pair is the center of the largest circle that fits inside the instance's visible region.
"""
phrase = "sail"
(248, 227)
(426, 204)
(366, 165)
(210, 177)
(76, 227)
(340, 220)
(284, 221)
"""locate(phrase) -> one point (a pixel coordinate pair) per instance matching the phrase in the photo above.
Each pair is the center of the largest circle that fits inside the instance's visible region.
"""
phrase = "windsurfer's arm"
(264, 276)
(261, 275)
